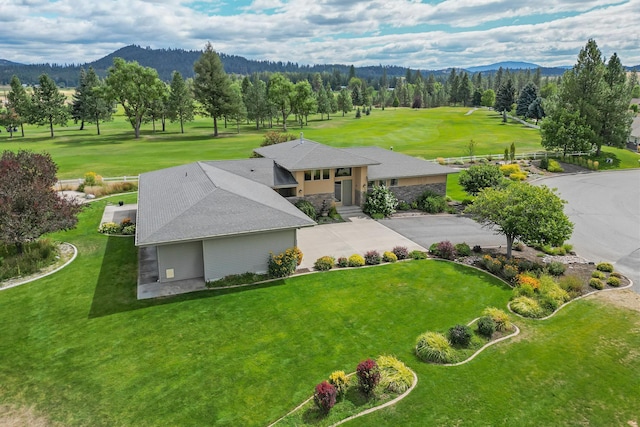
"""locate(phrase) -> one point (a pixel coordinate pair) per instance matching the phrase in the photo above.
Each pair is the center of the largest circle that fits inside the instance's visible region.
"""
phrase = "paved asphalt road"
(605, 208)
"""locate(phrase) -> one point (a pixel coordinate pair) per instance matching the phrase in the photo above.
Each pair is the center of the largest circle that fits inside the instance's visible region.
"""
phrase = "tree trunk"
(22, 129)
(504, 116)
(19, 247)
(136, 127)
(153, 125)
(51, 125)
(215, 126)
(509, 245)
(181, 125)
(284, 122)
(82, 125)
(164, 123)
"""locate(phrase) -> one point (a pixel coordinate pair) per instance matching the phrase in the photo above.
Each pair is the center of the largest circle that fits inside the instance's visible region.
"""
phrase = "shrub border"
(38, 277)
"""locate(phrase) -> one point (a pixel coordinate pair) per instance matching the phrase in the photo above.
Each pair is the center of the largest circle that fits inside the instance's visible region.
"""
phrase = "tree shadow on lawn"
(116, 287)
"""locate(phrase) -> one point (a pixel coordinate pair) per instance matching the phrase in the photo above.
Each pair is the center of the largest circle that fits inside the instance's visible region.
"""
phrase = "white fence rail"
(501, 157)
(78, 181)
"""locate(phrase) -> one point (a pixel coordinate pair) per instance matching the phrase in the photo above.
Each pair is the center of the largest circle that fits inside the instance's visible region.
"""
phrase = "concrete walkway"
(347, 238)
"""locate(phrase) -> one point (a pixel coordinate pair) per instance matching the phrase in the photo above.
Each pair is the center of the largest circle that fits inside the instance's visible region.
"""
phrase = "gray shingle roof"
(303, 154)
(396, 165)
(264, 171)
(200, 200)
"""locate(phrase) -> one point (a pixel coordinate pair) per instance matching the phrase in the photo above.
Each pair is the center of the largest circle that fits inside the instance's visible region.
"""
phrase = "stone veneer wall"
(410, 193)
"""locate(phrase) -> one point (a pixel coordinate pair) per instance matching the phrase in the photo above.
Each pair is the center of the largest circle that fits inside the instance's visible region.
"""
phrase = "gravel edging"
(37, 277)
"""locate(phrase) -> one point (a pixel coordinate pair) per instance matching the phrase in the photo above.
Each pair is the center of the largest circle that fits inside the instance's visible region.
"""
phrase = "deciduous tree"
(280, 93)
(531, 214)
(135, 87)
(479, 177)
(29, 206)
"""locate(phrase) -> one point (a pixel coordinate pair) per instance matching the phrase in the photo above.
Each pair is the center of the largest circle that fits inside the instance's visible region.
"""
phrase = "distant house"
(634, 135)
(210, 219)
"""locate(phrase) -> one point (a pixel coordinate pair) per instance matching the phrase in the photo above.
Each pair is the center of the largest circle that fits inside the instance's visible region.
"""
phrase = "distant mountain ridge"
(165, 61)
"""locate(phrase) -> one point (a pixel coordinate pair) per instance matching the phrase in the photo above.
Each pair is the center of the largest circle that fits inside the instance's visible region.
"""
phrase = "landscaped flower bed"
(374, 384)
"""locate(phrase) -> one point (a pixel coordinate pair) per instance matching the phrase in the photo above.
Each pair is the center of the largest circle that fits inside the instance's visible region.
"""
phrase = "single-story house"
(210, 219)
(343, 175)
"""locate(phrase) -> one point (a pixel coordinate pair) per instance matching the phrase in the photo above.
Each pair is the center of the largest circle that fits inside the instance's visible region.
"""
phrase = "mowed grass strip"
(426, 133)
(79, 347)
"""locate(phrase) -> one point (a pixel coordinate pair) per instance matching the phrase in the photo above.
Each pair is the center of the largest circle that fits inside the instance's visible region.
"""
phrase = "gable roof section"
(391, 164)
(303, 154)
(200, 201)
(264, 171)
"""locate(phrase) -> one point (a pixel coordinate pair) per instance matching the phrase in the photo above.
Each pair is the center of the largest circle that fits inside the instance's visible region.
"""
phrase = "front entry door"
(346, 193)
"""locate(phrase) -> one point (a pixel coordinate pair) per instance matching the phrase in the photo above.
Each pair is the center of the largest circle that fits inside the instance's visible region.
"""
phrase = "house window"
(382, 183)
(343, 172)
(316, 175)
(393, 182)
(325, 173)
(307, 175)
(371, 184)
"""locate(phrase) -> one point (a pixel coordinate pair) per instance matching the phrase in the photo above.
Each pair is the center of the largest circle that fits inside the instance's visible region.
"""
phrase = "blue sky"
(429, 34)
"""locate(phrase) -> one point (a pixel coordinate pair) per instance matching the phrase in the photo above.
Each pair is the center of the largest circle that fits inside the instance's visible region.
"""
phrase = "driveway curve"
(605, 208)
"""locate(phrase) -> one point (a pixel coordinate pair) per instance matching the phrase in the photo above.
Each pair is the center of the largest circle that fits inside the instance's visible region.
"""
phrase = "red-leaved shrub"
(325, 396)
(368, 375)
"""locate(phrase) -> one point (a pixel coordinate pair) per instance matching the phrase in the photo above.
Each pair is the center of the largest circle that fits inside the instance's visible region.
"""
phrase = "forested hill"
(168, 60)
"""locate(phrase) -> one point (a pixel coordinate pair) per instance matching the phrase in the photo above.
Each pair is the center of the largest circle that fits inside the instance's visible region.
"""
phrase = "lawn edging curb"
(33, 279)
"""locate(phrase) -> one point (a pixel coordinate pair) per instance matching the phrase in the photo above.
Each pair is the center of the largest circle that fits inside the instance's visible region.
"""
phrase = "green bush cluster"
(416, 254)
(499, 317)
(431, 202)
(571, 283)
(538, 297)
(554, 166)
(598, 275)
(356, 260)
(388, 256)
(459, 335)
(284, 264)
(596, 283)
(604, 266)
(372, 257)
(613, 281)
(526, 306)
(126, 227)
(324, 263)
(380, 201)
(343, 262)
(486, 326)
(462, 249)
(556, 268)
(307, 208)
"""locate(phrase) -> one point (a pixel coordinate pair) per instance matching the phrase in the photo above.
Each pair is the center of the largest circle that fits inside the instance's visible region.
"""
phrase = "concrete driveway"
(605, 208)
(348, 238)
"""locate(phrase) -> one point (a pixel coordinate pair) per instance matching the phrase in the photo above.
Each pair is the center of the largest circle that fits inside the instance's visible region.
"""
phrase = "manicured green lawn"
(428, 133)
(79, 347)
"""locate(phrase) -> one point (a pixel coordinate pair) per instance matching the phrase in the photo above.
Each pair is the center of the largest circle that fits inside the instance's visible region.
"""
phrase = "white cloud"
(327, 31)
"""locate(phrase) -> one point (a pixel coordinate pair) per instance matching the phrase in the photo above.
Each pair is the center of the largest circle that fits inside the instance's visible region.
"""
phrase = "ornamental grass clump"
(394, 375)
(613, 281)
(500, 318)
(368, 375)
(325, 396)
(596, 283)
(527, 307)
(434, 347)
